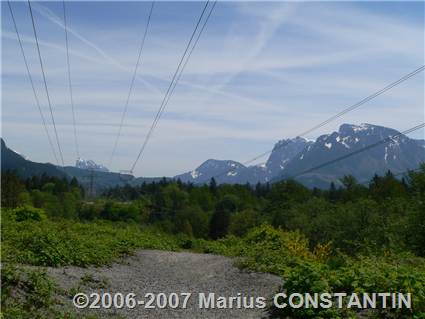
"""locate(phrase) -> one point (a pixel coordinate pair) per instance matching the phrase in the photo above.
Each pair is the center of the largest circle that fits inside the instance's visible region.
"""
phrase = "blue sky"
(261, 72)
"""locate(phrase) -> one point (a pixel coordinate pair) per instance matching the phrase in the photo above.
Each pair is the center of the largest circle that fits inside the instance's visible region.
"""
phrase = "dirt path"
(171, 272)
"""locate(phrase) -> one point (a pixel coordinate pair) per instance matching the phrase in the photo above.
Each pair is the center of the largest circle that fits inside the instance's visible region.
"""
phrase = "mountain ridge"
(288, 158)
(291, 156)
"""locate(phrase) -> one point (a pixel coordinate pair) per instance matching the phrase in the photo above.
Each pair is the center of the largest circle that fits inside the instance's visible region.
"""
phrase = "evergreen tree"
(11, 187)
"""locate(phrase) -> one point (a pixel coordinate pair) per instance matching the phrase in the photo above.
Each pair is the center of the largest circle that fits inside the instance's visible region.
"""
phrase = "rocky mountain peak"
(90, 165)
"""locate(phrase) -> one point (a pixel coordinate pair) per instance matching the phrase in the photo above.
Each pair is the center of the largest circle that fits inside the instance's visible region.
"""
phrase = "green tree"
(220, 219)
(174, 198)
(11, 188)
(213, 186)
(241, 222)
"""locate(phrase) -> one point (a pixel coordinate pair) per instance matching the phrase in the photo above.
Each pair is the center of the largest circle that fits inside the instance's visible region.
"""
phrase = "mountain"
(289, 158)
(293, 156)
(101, 180)
(226, 172)
(400, 154)
(11, 160)
(283, 152)
(231, 172)
(421, 142)
(90, 165)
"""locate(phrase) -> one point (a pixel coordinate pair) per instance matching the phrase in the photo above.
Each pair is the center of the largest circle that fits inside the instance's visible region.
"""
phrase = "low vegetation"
(359, 238)
(321, 269)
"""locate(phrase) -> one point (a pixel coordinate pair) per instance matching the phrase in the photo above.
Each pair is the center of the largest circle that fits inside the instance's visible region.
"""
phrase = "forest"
(359, 237)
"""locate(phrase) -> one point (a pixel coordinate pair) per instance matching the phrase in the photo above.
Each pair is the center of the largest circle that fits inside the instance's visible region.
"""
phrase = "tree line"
(385, 214)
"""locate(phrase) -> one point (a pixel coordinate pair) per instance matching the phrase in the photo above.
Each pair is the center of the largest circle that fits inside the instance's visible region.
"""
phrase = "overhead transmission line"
(177, 74)
(43, 120)
(365, 100)
(365, 148)
(124, 113)
(336, 116)
(71, 95)
(45, 84)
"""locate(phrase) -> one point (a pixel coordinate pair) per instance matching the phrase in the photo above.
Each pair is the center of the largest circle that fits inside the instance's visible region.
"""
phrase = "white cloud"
(270, 72)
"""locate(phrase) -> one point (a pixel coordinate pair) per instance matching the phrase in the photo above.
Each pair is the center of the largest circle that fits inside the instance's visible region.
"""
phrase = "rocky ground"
(150, 271)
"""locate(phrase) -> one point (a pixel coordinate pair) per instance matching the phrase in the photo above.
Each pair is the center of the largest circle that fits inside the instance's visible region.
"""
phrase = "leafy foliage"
(287, 254)
(357, 238)
(65, 242)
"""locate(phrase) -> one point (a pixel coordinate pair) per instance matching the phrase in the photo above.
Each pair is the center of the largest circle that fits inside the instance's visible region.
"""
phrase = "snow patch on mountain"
(361, 127)
(22, 155)
(90, 165)
(343, 140)
(386, 154)
(290, 156)
(194, 174)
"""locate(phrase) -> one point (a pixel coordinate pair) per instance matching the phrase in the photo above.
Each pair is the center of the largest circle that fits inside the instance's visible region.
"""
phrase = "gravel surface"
(151, 271)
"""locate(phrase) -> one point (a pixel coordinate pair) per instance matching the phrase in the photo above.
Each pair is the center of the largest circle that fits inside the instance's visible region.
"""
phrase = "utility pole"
(90, 189)
(91, 183)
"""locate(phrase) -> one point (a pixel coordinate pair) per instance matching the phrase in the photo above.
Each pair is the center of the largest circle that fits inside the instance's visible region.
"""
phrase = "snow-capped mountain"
(399, 154)
(22, 155)
(421, 143)
(90, 165)
(227, 171)
(283, 152)
(291, 157)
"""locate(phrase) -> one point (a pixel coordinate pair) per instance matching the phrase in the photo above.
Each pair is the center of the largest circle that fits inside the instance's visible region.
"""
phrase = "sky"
(262, 71)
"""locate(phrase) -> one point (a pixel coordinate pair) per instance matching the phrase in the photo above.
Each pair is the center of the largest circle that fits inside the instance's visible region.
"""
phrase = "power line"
(163, 103)
(346, 110)
(45, 83)
(132, 83)
(187, 59)
(343, 157)
(365, 100)
(176, 77)
(32, 83)
(191, 51)
(69, 80)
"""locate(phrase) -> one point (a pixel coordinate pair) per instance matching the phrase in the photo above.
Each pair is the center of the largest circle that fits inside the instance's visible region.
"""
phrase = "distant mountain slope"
(91, 165)
(226, 171)
(399, 154)
(292, 156)
(421, 142)
(213, 167)
(11, 160)
(283, 152)
(288, 158)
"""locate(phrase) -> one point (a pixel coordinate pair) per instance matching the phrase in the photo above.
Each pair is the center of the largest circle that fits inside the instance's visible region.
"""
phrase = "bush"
(29, 213)
(26, 294)
(287, 254)
(66, 242)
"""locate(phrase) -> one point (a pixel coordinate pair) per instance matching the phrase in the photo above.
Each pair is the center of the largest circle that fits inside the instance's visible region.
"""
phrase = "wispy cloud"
(261, 72)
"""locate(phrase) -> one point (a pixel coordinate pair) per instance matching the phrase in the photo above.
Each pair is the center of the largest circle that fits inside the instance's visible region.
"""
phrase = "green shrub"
(286, 254)
(67, 242)
(29, 213)
(26, 294)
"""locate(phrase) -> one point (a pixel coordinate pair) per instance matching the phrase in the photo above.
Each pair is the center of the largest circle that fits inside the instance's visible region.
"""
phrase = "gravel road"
(151, 271)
